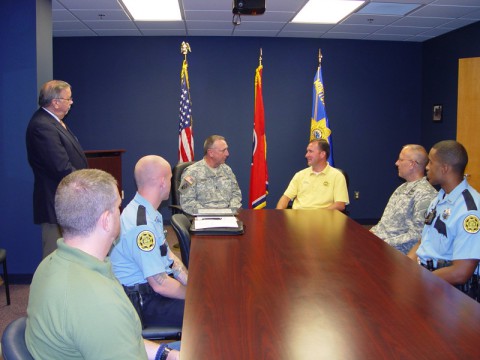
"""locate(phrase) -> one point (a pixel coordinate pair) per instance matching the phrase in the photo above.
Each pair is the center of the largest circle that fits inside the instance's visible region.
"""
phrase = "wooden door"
(468, 115)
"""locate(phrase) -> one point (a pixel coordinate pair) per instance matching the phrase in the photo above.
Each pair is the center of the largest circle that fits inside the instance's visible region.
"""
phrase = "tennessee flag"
(185, 129)
(259, 172)
(319, 126)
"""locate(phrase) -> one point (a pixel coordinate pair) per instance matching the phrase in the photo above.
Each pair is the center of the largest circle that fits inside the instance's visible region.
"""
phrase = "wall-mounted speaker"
(248, 7)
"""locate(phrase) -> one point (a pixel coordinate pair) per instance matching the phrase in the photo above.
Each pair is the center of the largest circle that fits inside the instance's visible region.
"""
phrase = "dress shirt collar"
(55, 116)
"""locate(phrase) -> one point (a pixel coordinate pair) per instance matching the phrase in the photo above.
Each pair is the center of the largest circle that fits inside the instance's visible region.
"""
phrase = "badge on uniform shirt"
(446, 214)
(146, 240)
(471, 224)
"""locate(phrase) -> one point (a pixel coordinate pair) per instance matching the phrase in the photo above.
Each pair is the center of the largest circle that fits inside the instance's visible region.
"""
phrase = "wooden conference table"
(317, 285)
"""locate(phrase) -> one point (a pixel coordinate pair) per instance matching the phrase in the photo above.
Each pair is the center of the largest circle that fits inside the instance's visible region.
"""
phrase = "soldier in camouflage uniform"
(210, 183)
(402, 221)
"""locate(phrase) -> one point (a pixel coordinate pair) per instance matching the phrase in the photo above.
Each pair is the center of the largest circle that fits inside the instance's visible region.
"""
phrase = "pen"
(211, 218)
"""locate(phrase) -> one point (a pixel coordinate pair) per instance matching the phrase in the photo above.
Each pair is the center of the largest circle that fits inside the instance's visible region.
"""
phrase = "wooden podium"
(109, 161)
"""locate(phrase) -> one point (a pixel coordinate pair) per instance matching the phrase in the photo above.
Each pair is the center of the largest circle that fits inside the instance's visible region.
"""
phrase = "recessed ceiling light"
(152, 10)
(326, 11)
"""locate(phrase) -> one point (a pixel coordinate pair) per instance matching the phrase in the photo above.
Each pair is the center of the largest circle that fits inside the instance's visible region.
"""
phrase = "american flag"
(185, 129)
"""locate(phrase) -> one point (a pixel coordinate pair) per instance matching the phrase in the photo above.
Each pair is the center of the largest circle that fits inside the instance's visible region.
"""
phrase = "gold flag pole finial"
(185, 49)
(319, 56)
(260, 58)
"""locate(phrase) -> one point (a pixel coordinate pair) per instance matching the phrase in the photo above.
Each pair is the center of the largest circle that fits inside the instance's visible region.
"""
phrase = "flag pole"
(185, 136)
(319, 57)
(260, 58)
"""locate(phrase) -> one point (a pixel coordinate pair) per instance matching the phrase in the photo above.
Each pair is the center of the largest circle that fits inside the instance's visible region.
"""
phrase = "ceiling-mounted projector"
(248, 7)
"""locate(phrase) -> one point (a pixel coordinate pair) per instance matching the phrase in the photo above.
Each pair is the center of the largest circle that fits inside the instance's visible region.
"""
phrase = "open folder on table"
(214, 212)
(216, 225)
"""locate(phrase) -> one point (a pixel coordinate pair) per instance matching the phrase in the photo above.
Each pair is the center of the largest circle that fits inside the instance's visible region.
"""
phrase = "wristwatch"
(165, 353)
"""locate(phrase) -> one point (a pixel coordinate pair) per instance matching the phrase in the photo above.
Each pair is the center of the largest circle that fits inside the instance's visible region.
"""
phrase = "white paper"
(208, 222)
(218, 212)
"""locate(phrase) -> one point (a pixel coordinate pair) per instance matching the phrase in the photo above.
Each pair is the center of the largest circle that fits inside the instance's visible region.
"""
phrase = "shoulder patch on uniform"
(141, 215)
(471, 224)
(187, 181)
(146, 240)
(469, 202)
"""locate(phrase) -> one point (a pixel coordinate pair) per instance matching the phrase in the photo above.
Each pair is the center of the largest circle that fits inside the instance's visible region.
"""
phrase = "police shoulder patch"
(146, 240)
(471, 224)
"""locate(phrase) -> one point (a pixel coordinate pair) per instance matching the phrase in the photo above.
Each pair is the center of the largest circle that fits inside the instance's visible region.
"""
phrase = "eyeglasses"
(220, 150)
(415, 161)
(70, 99)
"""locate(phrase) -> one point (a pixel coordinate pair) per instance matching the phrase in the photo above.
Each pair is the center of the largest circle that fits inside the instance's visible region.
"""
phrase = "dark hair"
(453, 153)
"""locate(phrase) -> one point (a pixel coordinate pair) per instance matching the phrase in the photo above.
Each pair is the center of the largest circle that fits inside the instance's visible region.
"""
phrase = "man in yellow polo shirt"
(318, 186)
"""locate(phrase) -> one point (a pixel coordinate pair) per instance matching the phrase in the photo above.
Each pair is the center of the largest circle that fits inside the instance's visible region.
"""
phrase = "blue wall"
(19, 74)
(440, 80)
(126, 94)
(379, 96)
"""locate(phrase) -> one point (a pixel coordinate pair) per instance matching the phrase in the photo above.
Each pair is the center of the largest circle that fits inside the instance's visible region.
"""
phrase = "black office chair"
(3, 260)
(347, 180)
(181, 225)
(176, 180)
(13, 341)
(15, 348)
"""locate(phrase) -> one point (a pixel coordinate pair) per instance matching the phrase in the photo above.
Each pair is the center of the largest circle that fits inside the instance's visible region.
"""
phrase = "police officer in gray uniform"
(210, 183)
(450, 242)
(153, 277)
(402, 221)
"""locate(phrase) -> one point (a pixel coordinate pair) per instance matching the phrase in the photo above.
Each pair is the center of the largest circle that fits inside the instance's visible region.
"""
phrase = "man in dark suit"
(53, 153)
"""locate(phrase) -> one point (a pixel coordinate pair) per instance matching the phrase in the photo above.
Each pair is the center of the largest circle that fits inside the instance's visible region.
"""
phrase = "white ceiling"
(214, 18)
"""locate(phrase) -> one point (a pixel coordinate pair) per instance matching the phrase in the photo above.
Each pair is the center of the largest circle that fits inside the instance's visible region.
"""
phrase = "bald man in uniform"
(153, 277)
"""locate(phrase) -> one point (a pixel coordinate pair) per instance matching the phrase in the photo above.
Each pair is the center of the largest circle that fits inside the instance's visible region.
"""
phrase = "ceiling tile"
(110, 25)
(401, 30)
(160, 25)
(210, 25)
(450, 12)
(104, 15)
(358, 19)
(214, 18)
(421, 21)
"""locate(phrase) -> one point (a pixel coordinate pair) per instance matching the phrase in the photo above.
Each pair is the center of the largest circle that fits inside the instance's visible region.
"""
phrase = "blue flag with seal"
(320, 127)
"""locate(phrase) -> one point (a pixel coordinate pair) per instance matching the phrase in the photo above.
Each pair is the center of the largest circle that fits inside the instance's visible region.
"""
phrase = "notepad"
(214, 212)
(209, 222)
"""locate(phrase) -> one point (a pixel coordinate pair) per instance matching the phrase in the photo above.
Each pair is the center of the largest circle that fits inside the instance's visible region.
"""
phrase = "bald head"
(153, 176)
(149, 168)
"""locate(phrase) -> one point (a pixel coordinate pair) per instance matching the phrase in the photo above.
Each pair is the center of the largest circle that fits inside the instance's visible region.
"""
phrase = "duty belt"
(144, 288)
(440, 264)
